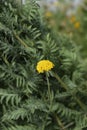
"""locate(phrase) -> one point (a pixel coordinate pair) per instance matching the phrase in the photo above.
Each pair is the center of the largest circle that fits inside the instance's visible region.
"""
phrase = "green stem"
(5, 60)
(69, 125)
(82, 105)
(59, 122)
(49, 91)
(20, 40)
(60, 81)
(44, 124)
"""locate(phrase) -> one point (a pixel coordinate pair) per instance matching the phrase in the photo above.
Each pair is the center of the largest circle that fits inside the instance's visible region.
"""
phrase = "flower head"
(73, 19)
(77, 25)
(44, 65)
(48, 14)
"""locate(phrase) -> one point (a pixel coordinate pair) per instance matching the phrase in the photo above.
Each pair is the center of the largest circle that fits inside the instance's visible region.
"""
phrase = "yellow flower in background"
(48, 14)
(77, 25)
(56, 4)
(44, 65)
(73, 19)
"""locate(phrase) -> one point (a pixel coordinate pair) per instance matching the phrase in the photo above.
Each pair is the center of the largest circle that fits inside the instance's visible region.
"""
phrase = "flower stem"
(49, 91)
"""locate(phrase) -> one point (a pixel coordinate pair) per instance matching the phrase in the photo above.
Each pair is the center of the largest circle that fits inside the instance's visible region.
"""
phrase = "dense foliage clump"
(52, 100)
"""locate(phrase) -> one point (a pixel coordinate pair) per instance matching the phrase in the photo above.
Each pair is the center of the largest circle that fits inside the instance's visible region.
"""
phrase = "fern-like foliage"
(24, 95)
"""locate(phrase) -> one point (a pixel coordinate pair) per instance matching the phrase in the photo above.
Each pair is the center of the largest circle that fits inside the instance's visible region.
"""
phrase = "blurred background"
(68, 17)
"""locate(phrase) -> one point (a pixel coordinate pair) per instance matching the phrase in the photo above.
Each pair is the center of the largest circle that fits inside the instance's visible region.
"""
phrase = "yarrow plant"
(35, 94)
(44, 66)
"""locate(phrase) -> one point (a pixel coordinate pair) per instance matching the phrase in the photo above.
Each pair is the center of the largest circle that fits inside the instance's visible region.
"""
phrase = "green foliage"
(55, 100)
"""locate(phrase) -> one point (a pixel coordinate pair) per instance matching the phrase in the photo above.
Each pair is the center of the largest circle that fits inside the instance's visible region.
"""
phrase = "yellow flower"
(73, 19)
(48, 14)
(56, 3)
(77, 25)
(44, 65)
